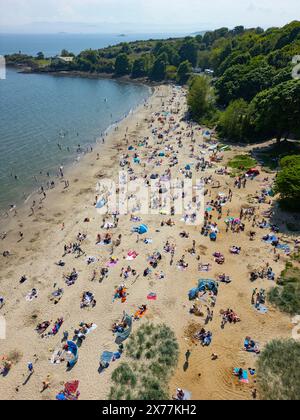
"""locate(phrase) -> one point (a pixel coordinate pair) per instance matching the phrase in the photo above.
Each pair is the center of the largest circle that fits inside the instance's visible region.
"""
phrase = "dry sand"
(42, 246)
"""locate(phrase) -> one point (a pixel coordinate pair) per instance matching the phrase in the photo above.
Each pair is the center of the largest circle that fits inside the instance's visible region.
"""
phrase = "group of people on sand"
(156, 165)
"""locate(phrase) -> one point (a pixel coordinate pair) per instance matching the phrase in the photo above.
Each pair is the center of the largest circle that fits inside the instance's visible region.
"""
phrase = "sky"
(116, 16)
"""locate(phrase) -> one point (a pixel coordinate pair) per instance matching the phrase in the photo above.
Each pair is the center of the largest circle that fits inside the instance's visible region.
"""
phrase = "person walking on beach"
(46, 384)
(187, 355)
(30, 368)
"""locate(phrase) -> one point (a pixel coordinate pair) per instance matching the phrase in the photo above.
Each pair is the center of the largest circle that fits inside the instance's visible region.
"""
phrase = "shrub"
(286, 296)
(278, 370)
(153, 354)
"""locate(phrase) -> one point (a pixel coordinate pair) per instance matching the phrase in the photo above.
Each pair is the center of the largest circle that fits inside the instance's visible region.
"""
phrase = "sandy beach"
(61, 217)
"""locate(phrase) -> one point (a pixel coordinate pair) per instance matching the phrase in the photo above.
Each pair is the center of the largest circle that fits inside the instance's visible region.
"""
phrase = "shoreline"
(86, 75)
(76, 158)
(42, 246)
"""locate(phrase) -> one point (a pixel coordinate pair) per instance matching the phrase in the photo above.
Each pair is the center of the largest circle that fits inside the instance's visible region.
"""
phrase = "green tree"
(122, 65)
(244, 81)
(158, 71)
(287, 182)
(189, 51)
(200, 97)
(233, 121)
(275, 112)
(40, 56)
(171, 73)
(139, 68)
(66, 53)
(184, 72)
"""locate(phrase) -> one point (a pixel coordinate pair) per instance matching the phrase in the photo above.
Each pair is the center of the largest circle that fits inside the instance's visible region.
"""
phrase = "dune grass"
(286, 295)
(242, 162)
(152, 354)
(278, 371)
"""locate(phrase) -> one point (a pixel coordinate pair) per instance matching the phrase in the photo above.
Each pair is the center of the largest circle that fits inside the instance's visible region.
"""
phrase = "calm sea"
(44, 118)
(52, 44)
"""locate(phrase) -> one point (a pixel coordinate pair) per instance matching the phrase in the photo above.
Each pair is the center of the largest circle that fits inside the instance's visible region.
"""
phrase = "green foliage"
(171, 73)
(122, 65)
(278, 371)
(66, 53)
(40, 56)
(189, 51)
(124, 375)
(159, 70)
(287, 182)
(286, 296)
(244, 81)
(233, 122)
(153, 354)
(200, 98)
(242, 162)
(184, 72)
(139, 68)
(276, 111)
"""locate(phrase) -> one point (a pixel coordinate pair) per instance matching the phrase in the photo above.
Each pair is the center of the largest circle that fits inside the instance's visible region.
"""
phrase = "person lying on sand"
(140, 312)
(41, 328)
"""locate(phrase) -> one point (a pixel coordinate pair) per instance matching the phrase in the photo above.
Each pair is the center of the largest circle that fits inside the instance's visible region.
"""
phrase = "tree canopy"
(200, 97)
(122, 65)
(275, 112)
(184, 72)
(287, 182)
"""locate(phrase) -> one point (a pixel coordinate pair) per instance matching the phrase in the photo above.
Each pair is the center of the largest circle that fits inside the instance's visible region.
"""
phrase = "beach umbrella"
(72, 386)
(72, 354)
(61, 397)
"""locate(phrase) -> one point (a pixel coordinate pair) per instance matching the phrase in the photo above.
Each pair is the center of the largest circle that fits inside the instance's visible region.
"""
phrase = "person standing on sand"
(187, 355)
(46, 384)
(30, 368)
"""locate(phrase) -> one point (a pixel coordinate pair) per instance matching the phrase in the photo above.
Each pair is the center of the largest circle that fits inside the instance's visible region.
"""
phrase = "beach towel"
(152, 296)
(187, 396)
(126, 333)
(284, 247)
(106, 357)
(204, 267)
(93, 328)
(71, 387)
(100, 204)
(56, 356)
(262, 309)
(244, 378)
(91, 260)
(139, 314)
(132, 255)
(31, 296)
(112, 263)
